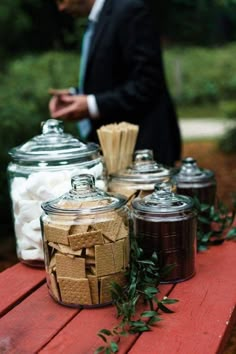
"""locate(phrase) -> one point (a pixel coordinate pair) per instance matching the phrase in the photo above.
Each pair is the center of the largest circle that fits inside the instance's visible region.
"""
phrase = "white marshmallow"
(28, 210)
(28, 194)
(31, 234)
(32, 255)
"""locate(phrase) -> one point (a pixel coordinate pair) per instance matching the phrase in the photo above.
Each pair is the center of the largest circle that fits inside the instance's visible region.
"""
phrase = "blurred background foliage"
(40, 49)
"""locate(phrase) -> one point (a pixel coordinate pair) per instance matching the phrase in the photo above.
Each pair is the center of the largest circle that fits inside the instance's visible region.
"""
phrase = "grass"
(200, 111)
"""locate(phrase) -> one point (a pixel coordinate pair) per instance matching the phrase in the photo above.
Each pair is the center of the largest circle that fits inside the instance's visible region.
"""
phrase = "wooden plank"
(80, 335)
(30, 325)
(206, 312)
(16, 283)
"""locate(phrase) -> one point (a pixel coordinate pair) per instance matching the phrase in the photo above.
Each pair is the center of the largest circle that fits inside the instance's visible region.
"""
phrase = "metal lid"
(162, 201)
(143, 170)
(84, 198)
(190, 172)
(54, 145)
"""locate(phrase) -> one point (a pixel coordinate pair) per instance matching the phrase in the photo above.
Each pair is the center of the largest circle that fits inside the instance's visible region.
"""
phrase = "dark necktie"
(85, 124)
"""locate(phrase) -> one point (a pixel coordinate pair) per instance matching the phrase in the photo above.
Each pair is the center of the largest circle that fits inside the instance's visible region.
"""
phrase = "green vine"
(214, 223)
(144, 277)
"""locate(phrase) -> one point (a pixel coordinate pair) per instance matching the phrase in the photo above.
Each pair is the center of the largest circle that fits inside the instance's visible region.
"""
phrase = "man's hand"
(69, 107)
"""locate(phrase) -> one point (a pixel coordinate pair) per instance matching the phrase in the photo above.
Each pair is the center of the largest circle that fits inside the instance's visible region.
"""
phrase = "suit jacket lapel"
(99, 28)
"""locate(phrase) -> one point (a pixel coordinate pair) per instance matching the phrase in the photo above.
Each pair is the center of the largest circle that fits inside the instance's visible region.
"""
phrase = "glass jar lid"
(84, 198)
(143, 170)
(189, 171)
(162, 201)
(54, 145)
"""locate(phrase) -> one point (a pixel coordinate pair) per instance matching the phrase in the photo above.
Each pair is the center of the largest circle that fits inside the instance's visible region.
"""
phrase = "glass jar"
(141, 176)
(165, 223)
(41, 170)
(86, 244)
(196, 182)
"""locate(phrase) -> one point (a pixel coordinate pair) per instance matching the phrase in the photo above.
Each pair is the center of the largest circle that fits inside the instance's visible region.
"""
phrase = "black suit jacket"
(125, 73)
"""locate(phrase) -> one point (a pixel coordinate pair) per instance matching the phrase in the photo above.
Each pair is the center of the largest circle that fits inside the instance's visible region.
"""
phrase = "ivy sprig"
(143, 278)
(219, 219)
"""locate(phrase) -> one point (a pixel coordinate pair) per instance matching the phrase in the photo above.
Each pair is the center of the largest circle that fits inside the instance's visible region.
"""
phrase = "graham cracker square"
(123, 232)
(75, 291)
(85, 240)
(109, 258)
(109, 228)
(57, 233)
(76, 229)
(69, 266)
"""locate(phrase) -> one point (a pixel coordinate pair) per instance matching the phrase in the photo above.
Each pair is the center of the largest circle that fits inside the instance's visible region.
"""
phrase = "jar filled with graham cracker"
(86, 244)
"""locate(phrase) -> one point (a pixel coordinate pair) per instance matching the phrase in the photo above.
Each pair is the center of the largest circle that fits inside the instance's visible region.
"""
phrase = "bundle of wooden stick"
(117, 143)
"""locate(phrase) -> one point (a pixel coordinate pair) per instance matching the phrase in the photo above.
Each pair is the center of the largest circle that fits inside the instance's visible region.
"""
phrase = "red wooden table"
(31, 322)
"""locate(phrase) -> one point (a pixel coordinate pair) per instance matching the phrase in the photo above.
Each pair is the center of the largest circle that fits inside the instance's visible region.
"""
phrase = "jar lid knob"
(189, 166)
(143, 155)
(83, 184)
(163, 190)
(52, 126)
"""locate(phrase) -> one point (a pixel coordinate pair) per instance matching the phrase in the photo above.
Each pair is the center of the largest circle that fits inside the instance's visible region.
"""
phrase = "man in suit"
(124, 78)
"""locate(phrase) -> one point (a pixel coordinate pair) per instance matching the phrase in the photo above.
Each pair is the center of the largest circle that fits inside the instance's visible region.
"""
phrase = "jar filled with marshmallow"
(41, 169)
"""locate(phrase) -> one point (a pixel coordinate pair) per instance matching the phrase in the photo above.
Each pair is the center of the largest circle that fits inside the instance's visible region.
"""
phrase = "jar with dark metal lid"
(41, 169)
(141, 175)
(196, 182)
(166, 223)
(86, 244)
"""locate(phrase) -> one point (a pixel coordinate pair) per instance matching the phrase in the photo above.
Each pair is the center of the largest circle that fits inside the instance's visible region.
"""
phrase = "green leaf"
(154, 320)
(206, 237)
(137, 323)
(114, 347)
(204, 207)
(106, 332)
(231, 234)
(117, 289)
(164, 308)
(166, 300)
(154, 257)
(134, 330)
(146, 262)
(150, 291)
(202, 248)
(148, 314)
(102, 337)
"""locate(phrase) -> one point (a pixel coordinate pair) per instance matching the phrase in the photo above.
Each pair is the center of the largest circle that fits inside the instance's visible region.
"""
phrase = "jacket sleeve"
(141, 58)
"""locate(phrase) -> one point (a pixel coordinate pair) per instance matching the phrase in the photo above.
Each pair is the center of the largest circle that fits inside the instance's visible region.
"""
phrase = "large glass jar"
(41, 169)
(140, 177)
(197, 182)
(165, 223)
(86, 244)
